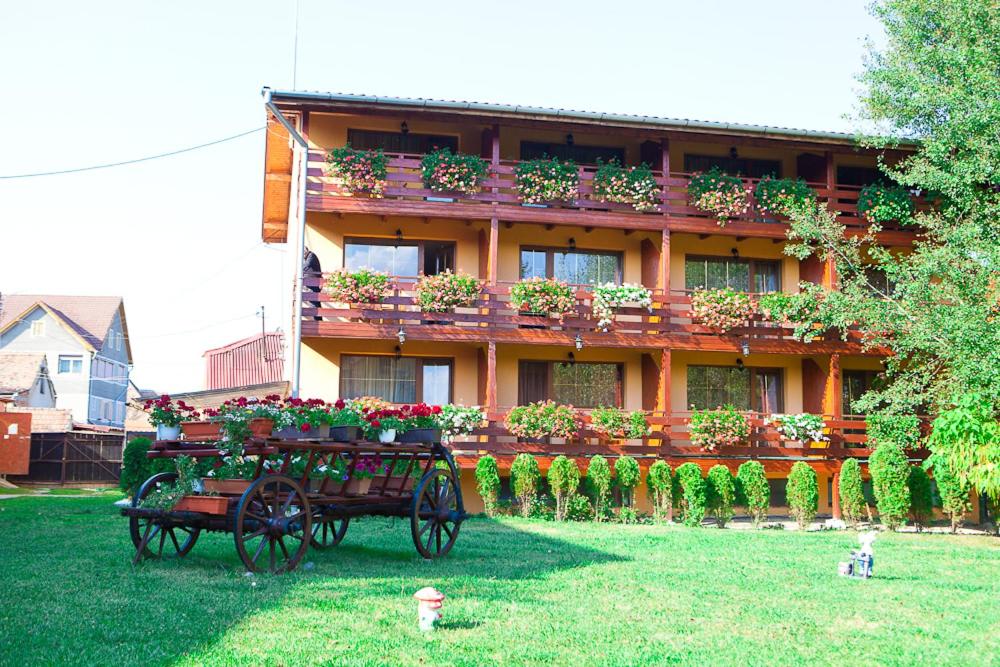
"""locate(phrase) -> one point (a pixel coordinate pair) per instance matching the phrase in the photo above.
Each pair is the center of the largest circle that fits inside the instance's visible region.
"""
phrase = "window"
(576, 267)
(742, 275)
(396, 379)
(397, 142)
(584, 385)
(859, 176)
(878, 282)
(757, 389)
(853, 385)
(738, 166)
(37, 328)
(533, 150)
(399, 258)
(70, 364)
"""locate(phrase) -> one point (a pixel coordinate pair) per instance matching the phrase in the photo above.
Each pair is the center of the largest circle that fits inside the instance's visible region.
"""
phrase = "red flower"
(305, 428)
(376, 423)
(339, 404)
(436, 409)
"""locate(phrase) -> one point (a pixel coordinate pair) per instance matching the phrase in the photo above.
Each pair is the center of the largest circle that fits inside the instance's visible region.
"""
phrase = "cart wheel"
(436, 516)
(157, 536)
(273, 525)
(327, 533)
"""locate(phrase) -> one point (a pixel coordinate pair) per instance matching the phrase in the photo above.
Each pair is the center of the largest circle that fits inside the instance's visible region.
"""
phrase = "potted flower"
(363, 286)
(609, 297)
(635, 186)
(725, 426)
(780, 196)
(444, 171)
(309, 418)
(718, 193)
(880, 203)
(358, 171)
(456, 420)
(385, 425)
(205, 430)
(167, 416)
(423, 423)
(543, 296)
(243, 418)
(346, 421)
(366, 469)
(544, 419)
(798, 429)
(546, 180)
(446, 291)
(721, 309)
(619, 424)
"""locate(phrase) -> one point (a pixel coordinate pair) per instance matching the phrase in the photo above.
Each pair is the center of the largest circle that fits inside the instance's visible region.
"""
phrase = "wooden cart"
(276, 516)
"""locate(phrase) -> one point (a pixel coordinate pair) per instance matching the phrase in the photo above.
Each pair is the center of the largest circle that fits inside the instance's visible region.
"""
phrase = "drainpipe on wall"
(300, 238)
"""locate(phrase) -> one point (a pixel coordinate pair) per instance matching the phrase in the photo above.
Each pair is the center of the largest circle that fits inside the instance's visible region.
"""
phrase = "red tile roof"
(18, 372)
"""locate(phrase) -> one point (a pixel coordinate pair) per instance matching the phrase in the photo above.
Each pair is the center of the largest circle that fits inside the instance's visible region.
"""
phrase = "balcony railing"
(404, 184)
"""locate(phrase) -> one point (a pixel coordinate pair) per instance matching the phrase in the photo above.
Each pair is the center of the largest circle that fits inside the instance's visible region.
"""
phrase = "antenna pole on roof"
(295, 47)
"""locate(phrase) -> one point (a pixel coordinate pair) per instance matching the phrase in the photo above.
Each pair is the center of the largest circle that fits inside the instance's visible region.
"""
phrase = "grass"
(519, 592)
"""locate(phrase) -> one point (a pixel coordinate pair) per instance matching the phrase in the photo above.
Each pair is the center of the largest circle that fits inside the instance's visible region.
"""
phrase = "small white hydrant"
(429, 603)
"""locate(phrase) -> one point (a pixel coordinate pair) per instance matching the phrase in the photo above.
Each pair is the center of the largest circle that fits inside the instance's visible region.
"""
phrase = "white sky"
(179, 238)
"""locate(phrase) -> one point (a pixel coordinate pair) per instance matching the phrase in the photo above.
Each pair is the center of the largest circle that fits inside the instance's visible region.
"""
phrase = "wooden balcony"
(405, 194)
(668, 324)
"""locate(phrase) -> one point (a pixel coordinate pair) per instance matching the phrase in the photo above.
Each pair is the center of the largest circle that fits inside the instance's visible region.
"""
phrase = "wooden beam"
(664, 278)
(836, 495)
(833, 396)
(491, 376)
(663, 402)
(494, 249)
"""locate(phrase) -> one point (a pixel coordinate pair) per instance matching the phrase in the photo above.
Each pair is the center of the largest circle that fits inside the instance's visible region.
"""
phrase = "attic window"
(38, 328)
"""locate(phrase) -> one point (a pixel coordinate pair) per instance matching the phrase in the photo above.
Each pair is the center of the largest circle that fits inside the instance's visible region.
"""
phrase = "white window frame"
(38, 328)
(69, 358)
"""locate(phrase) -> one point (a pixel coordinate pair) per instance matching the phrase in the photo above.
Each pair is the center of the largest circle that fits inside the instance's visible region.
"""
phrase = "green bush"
(524, 477)
(659, 485)
(921, 499)
(753, 490)
(803, 493)
(902, 430)
(564, 480)
(488, 483)
(628, 515)
(627, 475)
(136, 468)
(599, 481)
(542, 507)
(852, 495)
(579, 508)
(954, 492)
(694, 492)
(721, 493)
(890, 472)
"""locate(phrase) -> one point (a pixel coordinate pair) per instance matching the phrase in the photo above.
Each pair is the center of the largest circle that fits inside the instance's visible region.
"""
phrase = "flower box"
(225, 486)
(357, 486)
(420, 435)
(396, 482)
(201, 430)
(293, 433)
(261, 427)
(345, 433)
(216, 505)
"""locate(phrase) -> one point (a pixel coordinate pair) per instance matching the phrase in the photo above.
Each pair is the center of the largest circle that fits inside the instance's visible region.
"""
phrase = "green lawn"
(518, 591)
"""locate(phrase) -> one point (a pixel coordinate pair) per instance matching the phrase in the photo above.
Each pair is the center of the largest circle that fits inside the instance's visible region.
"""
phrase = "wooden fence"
(74, 458)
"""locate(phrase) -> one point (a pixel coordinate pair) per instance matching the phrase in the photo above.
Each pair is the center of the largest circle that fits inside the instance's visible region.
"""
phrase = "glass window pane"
(405, 263)
(436, 383)
(739, 276)
(694, 274)
(532, 264)
(716, 276)
(768, 391)
(586, 385)
(767, 277)
(710, 387)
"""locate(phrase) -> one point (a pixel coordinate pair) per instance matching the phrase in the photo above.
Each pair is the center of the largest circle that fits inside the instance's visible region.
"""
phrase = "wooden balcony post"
(831, 171)
(491, 377)
(833, 396)
(664, 278)
(663, 401)
(836, 495)
(494, 250)
(665, 168)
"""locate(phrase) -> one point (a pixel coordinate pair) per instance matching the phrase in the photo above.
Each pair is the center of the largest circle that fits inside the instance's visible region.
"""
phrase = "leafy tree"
(967, 439)
(564, 480)
(524, 476)
(599, 481)
(659, 483)
(627, 474)
(488, 483)
(721, 493)
(803, 493)
(753, 490)
(579, 508)
(694, 492)
(852, 495)
(953, 490)
(921, 499)
(890, 473)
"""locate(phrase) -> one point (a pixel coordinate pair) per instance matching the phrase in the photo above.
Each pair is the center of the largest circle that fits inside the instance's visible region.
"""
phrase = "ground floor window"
(746, 388)
(583, 385)
(396, 379)
(855, 384)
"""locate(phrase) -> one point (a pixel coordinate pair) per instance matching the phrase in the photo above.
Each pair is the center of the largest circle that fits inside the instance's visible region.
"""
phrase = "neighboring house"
(25, 381)
(85, 339)
(251, 361)
(213, 398)
(137, 419)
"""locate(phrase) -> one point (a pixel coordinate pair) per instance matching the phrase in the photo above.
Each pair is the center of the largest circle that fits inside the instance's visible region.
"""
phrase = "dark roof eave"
(652, 123)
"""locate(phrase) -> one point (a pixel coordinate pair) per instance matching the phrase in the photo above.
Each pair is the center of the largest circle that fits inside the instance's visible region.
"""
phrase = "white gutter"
(300, 239)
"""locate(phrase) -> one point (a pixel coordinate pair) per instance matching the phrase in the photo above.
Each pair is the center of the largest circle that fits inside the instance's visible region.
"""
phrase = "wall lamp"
(735, 252)
(572, 358)
(744, 347)
(399, 236)
(399, 351)
(579, 342)
(733, 153)
(572, 243)
(569, 139)
(739, 364)
(401, 335)
(404, 128)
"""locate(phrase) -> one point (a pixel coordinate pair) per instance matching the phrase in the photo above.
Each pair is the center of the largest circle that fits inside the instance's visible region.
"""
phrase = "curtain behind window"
(587, 385)
(389, 378)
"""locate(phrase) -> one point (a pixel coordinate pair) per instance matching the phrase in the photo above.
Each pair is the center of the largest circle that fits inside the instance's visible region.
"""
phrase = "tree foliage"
(564, 480)
(852, 495)
(890, 474)
(967, 439)
(803, 493)
(954, 491)
(627, 474)
(524, 477)
(921, 499)
(721, 493)
(137, 468)
(488, 483)
(659, 484)
(753, 490)
(599, 481)
(693, 493)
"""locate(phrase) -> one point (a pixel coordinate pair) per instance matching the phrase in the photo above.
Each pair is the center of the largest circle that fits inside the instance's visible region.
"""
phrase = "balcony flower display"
(721, 309)
(547, 180)
(801, 427)
(799, 310)
(609, 296)
(721, 194)
(725, 426)
(879, 203)
(444, 171)
(366, 404)
(442, 292)
(635, 186)
(617, 423)
(361, 286)
(544, 419)
(456, 420)
(780, 196)
(358, 171)
(543, 296)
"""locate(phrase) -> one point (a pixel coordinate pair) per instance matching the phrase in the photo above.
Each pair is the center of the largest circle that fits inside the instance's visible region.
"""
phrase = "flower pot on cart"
(396, 482)
(261, 427)
(226, 486)
(345, 433)
(293, 433)
(201, 430)
(164, 432)
(216, 505)
(421, 435)
(387, 436)
(357, 487)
